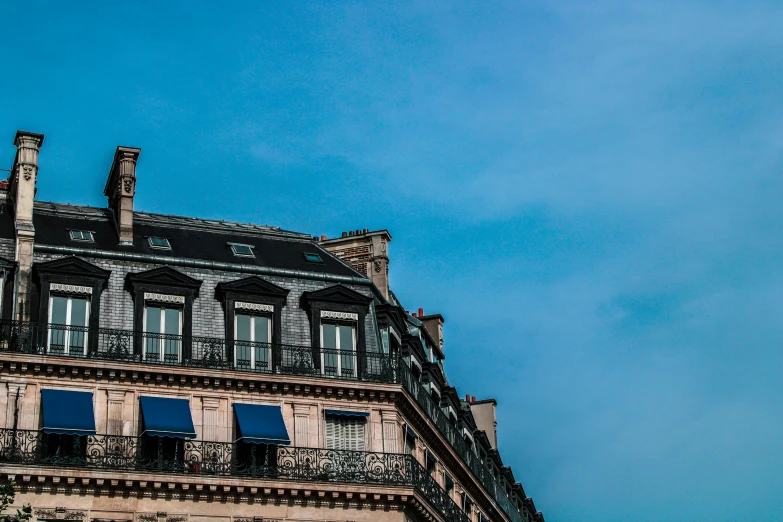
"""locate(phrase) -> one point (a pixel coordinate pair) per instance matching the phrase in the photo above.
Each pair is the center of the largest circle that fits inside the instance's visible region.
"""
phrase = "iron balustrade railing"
(245, 356)
(192, 457)
(199, 352)
(463, 449)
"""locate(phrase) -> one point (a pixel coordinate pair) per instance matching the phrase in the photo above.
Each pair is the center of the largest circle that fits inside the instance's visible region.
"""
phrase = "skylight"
(81, 235)
(242, 250)
(159, 242)
(313, 258)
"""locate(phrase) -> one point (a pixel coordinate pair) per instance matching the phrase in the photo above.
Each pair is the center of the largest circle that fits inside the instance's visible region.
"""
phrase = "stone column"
(13, 414)
(22, 190)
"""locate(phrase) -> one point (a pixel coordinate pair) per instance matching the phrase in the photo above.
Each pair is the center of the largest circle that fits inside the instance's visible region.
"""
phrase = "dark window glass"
(314, 258)
(159, 242)
(81, 235)
(242, 250)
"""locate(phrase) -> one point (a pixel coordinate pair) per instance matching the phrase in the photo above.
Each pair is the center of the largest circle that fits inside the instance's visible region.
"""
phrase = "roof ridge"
(217, 225)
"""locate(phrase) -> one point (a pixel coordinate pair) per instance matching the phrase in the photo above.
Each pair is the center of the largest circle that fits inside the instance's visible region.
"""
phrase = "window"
(313, 258)
(242, 250)
(345, 433)
(253, 334)
(81, 235)
(162, 331)
(449, 486)
(410, 441)
(68, 317)
(159, 242)
(338, 354)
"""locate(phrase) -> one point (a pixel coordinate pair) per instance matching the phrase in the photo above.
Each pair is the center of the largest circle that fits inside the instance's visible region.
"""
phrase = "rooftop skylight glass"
(242, 250)
(81, 235)
(313, 258)
(159, 242)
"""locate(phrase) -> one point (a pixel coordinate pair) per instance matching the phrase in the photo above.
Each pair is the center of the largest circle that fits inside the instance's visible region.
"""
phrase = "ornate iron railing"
(154, 454)
(450, 432)
(199, 352)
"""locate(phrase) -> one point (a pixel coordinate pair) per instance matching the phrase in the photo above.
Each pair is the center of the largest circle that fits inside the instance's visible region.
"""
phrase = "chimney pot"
(344, 234)
(366, 230)
(414, 314)
(473, 398)
(421, 312)
(467, 397)
(323, 238)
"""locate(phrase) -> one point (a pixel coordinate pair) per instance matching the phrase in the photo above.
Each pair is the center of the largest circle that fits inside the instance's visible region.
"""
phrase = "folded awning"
(167, 417)
(431, 456)
(345, 413)
(411, 433)
(261, 424)
(67, 412)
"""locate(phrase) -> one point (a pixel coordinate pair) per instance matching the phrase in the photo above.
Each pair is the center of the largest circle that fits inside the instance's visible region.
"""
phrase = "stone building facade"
(168, 369)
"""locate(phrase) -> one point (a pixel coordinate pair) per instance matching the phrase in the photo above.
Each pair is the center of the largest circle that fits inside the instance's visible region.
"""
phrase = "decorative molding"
(164, 298)
(70, 289)
(59, 513)
(327, 314)
(256, 307)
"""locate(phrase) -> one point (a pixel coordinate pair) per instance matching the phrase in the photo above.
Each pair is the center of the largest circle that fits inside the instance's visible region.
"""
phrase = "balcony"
(220, 459)
(211, 353)
(196, 352)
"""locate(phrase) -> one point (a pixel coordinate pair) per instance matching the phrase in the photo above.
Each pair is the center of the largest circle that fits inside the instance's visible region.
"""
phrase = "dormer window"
(313, 258)
(242, 250)
(81, 235)
(159, 242)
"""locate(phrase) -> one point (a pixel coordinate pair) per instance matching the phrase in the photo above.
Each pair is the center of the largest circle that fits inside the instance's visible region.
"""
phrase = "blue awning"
(344, 413)
(410, 432)
(167, 417)
(261, 424)
(67, 412)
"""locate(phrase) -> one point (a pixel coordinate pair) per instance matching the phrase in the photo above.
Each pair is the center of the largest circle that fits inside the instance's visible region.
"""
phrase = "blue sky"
(591, 193)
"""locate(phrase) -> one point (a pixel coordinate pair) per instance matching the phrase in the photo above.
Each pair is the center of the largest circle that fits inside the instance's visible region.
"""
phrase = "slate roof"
(191, 238)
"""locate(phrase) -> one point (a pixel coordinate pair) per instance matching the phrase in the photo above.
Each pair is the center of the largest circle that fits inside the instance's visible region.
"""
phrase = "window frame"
(254, 343)
(338, 349)
(162, 340)
(358, 441)
(237, 254)
(310, 255)
(67, 332)
(90, 233)
(158, 247)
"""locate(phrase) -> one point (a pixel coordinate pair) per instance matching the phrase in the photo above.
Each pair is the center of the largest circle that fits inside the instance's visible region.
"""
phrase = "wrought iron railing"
(452, 434)
(244, 356)
(191, 457)
(200, 352)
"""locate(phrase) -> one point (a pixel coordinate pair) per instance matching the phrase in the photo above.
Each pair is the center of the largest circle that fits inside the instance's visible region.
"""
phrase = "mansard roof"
(190, 238)
(252, 285)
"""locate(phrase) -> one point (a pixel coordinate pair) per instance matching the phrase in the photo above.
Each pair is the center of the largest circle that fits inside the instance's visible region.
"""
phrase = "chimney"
(365, 251)
(24, 174)
(120, 188)
(486, 419)
(434, 325)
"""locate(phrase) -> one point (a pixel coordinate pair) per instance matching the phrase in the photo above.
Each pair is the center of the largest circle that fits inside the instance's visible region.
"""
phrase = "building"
(169, 369)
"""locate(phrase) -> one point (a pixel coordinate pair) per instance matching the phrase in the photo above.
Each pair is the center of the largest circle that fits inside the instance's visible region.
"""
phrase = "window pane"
(79, 312)
(329, 343)
(59, 309)
(347, 362)
(262, 328)
(153, 320)
(172, 321)
(243, 327)
(243, 339)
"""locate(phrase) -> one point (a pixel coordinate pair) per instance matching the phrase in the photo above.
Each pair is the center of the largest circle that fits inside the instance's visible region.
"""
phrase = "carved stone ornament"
(70, 289)
(147, 517)
(176, 519)
(326, 314)
(127, 185)
(28, 171)
(256, 307)
(377, 265)
(164, 298)
(59, 513)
